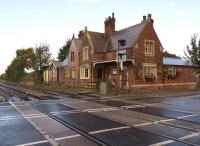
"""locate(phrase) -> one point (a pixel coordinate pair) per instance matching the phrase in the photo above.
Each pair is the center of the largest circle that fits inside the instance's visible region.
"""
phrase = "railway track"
(13, 91)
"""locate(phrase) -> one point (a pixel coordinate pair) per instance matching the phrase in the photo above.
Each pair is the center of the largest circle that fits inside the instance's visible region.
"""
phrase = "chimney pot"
(149, 16)
(144, 18)
(85, 28)
(113, 15)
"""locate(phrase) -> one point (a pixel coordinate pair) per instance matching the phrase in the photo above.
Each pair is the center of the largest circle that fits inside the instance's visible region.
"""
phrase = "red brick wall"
(52, 74)
(75, 64)
(184, 75)
(140, 58)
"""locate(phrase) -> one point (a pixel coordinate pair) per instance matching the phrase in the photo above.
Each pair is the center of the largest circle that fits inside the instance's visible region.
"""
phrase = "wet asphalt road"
(91, 124)
(170, 121)
(108, 131)
(15, 130)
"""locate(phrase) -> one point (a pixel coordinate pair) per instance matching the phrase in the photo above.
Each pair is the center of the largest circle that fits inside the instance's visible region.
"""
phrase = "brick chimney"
(110, 25)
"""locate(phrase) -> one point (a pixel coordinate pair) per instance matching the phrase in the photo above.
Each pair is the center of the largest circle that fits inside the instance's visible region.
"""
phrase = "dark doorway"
(99, 73)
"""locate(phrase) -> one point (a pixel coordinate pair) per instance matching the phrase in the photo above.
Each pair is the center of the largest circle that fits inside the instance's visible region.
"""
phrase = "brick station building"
(133, 55)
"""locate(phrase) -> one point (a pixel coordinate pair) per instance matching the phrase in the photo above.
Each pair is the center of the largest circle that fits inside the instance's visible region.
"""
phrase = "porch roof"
(112, 61)
(176, 62)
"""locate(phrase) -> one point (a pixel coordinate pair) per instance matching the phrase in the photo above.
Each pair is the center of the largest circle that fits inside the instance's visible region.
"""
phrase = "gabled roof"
(102, 43)
(58, 64)
(176, 61)
(130, 34)
(78, 43)
(99, 41)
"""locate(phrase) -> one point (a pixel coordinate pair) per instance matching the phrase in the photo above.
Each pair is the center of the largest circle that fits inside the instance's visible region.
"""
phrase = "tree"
(63, 51)
(23, 60)
(167, 54)
(192, 52)
(41, 59)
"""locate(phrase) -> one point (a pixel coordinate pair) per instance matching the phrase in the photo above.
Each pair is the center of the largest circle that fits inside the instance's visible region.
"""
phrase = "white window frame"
(84, 73)
(72, 74)
(171, 71)
(149, 67)
(149, 47)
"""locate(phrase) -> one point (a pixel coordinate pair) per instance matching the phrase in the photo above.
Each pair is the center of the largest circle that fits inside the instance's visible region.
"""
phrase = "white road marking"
(162, 143)
(155, 122)
(50, 140)
(101, 109)
(171, 141)
(23, 116)
(33, 143)
(110, 109)
(187, 116)
(68, 137)
(5, 106)
(189, 136)
(143, 124)
(110, 129)
(132, 106)
(63, 112)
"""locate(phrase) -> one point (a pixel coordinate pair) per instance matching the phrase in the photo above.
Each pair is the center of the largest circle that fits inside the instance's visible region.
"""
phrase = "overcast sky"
(25, 23)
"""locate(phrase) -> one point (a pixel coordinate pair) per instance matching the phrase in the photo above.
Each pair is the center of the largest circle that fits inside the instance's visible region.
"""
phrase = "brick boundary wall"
(192, 85)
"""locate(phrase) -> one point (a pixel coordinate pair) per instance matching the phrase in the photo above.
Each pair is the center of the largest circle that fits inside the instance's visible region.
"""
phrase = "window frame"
(149, 47)
(152, 68)
(171, 71)
(72, 74)
(84, 73)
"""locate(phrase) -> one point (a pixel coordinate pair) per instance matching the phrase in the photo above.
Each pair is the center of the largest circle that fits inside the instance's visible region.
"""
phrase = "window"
(72, 74)
(149, 47)
(150, 72)
(67, 73)
(72, 56)
(85, 53)
(84, 73)
(171, 72)
(136, 45)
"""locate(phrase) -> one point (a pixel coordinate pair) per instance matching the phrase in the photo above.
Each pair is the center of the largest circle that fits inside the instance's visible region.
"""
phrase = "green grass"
(65, 88)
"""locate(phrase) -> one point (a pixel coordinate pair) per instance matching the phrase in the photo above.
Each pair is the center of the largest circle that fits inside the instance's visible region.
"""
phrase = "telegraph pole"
(120, 42)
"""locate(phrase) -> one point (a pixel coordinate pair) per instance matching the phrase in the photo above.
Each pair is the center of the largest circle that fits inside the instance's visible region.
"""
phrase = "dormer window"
(149, 47)
(85, 53)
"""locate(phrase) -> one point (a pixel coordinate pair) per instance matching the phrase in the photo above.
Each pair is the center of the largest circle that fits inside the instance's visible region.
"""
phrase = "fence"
(128, 87)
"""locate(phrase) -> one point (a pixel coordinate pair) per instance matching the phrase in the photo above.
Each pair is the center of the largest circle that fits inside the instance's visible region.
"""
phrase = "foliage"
(167, 54)
(23, 60)
(28, 59)
(192, 52)
(63, 51)
(41, 59)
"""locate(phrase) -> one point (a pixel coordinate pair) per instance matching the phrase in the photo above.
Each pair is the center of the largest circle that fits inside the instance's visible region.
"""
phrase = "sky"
(26, 23)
